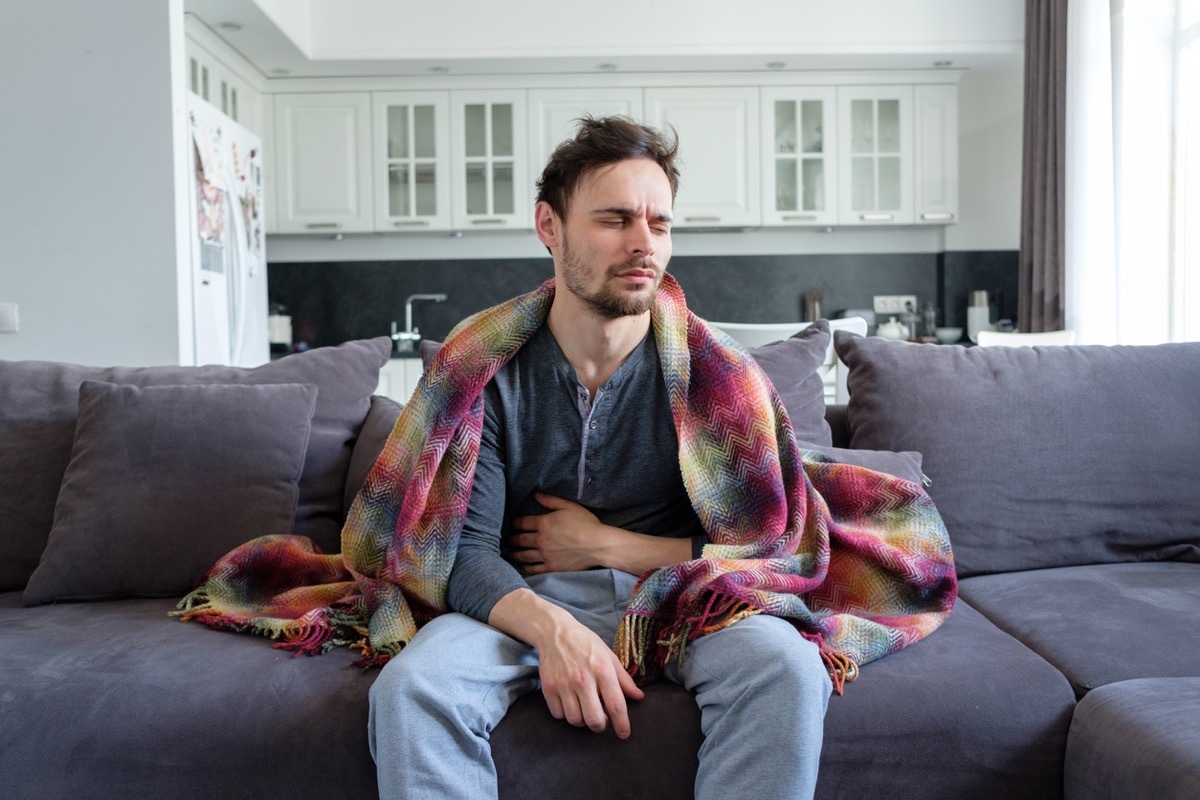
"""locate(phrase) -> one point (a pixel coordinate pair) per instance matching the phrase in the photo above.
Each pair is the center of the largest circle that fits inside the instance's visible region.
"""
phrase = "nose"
(640, 239)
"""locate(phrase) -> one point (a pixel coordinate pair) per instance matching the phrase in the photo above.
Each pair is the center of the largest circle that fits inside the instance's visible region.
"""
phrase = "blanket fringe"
(842, 670)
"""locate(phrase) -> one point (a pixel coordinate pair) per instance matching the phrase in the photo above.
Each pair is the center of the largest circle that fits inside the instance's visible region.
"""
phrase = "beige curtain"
(1041, 284)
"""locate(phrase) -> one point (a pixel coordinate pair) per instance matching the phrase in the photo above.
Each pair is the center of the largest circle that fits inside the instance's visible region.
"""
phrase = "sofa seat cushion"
(966, 713)
(39, 402)
(1103, 623)
(1106, 437)
(1138, 738)
(119, 695)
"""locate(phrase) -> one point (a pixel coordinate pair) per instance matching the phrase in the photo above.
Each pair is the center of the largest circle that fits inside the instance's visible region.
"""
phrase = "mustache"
(635, 263)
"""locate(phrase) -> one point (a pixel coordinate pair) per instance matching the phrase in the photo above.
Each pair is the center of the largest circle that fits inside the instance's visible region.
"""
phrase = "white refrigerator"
(229, 265)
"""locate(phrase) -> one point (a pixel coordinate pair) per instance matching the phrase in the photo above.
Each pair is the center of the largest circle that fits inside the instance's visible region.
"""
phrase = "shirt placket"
(587, 451)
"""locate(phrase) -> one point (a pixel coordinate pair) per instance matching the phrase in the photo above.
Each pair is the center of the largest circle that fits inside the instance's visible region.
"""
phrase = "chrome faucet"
(408, 338)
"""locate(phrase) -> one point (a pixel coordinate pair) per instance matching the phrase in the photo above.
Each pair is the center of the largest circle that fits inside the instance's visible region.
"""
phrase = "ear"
(547, 224)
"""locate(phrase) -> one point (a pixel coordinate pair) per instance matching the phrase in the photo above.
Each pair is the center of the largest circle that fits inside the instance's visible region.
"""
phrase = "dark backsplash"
(332, 303)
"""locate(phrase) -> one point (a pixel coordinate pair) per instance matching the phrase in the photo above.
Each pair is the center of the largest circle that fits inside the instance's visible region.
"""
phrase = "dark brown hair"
(600, 142)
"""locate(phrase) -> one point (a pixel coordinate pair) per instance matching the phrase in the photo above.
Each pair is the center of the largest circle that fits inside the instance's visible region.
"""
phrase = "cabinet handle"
(876, 217)
(799, 217)
(701, 219)
(410, 223)
(489, 222)
(938, 216)
(323, 225)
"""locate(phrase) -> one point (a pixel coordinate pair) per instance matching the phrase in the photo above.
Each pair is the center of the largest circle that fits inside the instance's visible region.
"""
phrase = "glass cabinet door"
(877, 186)
(489, 161)
(800, 143)
(412, 150)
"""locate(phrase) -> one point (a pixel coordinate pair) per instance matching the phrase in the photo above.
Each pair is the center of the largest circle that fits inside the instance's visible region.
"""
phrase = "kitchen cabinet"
(489, 158)
(554, 116)
(210, 77)
(718, 131)
(323, 162)
(398, 378)
(411, 173)
(875, 162)
(799, 151)
(936, 165)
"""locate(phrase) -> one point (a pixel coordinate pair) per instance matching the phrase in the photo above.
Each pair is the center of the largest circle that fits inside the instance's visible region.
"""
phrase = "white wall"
(89, 211)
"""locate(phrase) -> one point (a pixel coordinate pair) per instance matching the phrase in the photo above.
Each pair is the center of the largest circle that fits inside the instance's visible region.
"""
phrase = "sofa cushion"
(1044, 456)
(38, 401)
(1136, 738)
(118, 700)
(966, 713)
(902, 465)
(1103, 623)
(165, 480)
(792, 365)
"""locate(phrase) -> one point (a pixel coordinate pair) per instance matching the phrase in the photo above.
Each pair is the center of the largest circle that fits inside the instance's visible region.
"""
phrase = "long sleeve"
(481, 576)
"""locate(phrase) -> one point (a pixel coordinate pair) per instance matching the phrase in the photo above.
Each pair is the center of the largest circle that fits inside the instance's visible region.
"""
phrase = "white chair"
(832, 370)
(1003, 339)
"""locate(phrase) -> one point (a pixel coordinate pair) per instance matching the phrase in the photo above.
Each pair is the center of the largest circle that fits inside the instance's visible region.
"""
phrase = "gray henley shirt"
(616, 454)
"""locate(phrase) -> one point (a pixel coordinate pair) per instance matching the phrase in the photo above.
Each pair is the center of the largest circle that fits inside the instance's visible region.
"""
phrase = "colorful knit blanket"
(859, 561)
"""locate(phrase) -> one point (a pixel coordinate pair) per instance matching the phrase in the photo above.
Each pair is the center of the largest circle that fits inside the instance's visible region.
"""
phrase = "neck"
(594, 345)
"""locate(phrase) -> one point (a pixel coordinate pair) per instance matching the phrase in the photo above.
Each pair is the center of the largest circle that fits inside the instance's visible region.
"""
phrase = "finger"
(526, 556)
(528, 523)
(571, 709)
(614, 703)
(628, 685)
(593, 709)
(523, 541)
(553, 703)
(552, 501)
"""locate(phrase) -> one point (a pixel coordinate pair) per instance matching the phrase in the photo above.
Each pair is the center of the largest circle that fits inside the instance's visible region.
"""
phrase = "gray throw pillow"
(38, 401)
(1045, 456)
(165, 480)
(791, 365)
(905, 465)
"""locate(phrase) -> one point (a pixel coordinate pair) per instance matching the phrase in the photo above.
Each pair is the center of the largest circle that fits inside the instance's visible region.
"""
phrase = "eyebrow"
(629, 213)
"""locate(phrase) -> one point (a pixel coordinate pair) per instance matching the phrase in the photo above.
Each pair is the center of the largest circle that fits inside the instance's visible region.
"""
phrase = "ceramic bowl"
(948, 335)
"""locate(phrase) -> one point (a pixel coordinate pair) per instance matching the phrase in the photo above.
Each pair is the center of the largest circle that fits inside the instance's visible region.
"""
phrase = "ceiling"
(247, 29)
(244, 25)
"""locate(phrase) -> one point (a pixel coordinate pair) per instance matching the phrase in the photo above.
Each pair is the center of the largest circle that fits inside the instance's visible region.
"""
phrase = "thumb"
(628, 685)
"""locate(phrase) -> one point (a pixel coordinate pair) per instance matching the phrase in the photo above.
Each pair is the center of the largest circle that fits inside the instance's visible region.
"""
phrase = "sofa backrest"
(1044, 456)
(38, 409)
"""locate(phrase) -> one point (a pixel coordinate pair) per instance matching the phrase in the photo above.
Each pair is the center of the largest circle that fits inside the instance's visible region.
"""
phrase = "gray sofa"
(1068, 478)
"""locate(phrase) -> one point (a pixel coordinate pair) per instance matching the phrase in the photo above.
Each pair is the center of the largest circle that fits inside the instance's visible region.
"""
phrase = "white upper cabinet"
(323, 162)
(489, 158)
(799, 153)
(936, 113)
(718, 153)
(412, 161)
(554, 117)
(875, 162)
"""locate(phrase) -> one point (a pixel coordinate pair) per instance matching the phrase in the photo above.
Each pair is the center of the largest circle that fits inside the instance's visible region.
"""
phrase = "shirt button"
(593, 424)
(592, 454)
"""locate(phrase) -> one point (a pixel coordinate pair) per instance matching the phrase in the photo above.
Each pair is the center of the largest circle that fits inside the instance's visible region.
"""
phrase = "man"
(578, 473)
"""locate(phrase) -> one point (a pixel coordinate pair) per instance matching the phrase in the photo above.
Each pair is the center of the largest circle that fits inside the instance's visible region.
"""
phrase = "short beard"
(606, 302)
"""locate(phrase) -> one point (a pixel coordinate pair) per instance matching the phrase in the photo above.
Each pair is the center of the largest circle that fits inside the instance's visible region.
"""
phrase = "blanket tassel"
(841, 669)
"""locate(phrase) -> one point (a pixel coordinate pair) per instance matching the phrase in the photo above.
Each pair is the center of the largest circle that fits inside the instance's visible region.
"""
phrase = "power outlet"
(894, 303)
(9, 320)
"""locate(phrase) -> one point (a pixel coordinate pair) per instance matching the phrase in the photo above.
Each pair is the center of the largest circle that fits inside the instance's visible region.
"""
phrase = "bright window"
(1186, 277)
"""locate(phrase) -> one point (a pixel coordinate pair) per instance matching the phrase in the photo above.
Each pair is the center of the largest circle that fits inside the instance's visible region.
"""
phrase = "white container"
(978, 319)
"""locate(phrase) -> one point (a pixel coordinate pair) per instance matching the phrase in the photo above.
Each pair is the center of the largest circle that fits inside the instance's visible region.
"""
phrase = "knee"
(772, 654)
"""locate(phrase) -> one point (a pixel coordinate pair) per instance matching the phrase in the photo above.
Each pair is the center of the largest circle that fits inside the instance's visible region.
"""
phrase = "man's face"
(616, 239)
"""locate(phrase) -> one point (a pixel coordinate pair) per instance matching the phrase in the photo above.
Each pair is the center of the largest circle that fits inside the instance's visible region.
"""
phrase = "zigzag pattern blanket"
(859, 561)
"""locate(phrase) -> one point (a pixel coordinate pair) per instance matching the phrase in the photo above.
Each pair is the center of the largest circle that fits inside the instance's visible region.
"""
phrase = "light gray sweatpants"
(757, 681)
